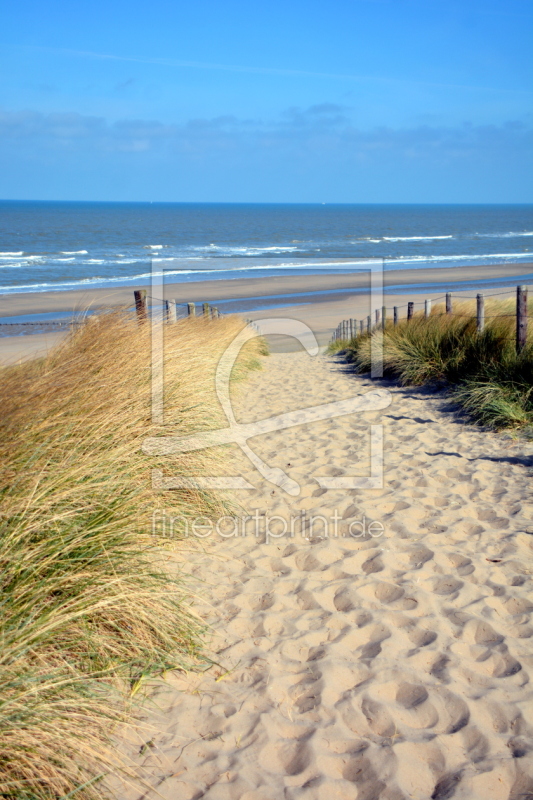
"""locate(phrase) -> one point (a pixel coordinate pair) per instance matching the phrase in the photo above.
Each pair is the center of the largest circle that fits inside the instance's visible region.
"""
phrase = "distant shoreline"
(321, 301)
(240, 289)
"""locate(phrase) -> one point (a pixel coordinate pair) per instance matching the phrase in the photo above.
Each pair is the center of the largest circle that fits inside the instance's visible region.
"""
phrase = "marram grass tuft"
(490, 379)
(88, 604)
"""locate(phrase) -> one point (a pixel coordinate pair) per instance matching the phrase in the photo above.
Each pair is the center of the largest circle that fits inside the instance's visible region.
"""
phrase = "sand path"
(393, 666)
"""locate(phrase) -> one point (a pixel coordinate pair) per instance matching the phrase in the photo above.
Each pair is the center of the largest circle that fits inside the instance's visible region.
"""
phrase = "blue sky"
(293, 101)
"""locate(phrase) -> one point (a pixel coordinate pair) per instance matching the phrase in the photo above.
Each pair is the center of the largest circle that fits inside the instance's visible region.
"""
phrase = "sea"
(60, 246)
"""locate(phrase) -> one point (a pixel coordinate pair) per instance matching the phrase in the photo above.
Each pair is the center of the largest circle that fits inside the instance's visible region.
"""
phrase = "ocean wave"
(153, 246)
(460, 257)
(22, 259)
(415, 238)
(7, 253)
(509, 235)
(74, 252)
(249, 250)
(223, 271)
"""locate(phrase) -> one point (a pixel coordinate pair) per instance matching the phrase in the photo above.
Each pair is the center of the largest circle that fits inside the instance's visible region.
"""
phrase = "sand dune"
(359, 666)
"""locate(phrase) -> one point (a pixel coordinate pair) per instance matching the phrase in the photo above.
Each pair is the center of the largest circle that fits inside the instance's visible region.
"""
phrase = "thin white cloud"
(177, 63)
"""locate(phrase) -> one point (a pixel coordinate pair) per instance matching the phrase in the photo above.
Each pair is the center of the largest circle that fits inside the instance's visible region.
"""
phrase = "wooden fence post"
(378, 313)
(171, 311)
(140, 304)
(480, 309)
(395, 315)
(383, 317)
(368, 324)
(191, 309)
(361, 326)
(448, 303)
(410, 310)
(427, 308)
(521, 318)
(205, 307)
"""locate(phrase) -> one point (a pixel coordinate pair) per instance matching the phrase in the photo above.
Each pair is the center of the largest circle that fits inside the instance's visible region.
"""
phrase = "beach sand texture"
(374, 667)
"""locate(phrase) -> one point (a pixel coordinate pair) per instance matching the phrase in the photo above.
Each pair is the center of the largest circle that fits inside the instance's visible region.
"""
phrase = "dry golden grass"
(88, 607)
(491, 380)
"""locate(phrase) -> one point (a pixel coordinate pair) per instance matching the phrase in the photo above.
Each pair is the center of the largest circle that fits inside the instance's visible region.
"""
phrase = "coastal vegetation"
(488, 377)
(89, 605)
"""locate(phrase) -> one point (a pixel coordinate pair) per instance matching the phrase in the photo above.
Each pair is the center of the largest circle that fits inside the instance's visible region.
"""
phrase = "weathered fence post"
(480, 309)
(171, 311)
(395, 315)
(427, 308)
(410, 310)
(448, 303)
(521, 318)
(368, 324)
(378, 313)
(383, 317)
(361, 326)
(205, 307)
(140, 304)
(191, 309)
(214, 312)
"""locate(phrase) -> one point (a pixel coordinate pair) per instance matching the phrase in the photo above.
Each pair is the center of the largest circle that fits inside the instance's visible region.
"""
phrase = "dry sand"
(14, 349)
(393, 666)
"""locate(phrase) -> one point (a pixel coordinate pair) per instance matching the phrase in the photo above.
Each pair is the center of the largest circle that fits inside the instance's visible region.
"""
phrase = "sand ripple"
(374, 667)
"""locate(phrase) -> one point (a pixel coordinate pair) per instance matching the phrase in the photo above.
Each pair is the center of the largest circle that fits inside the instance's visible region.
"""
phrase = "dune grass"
(489, 378)
(88, 607)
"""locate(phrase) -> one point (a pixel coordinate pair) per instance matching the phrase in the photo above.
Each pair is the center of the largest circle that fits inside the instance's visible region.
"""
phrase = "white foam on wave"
(415, 238)
(224, 269)
(509, 235)
(7, 253)
(22, 259)
(460, 257)
(153, 246)
(74, 252)
(249, 250)
(62, 260)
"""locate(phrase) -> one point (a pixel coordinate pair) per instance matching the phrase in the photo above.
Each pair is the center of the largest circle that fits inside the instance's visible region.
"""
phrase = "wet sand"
(335, 297)
(213, 291)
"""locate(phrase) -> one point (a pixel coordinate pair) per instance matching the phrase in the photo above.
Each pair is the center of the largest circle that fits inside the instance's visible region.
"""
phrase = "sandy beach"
(387, 663)
(331, 300)
(368, 643)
